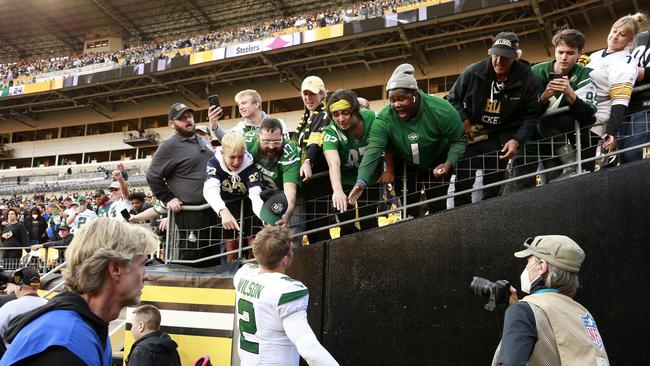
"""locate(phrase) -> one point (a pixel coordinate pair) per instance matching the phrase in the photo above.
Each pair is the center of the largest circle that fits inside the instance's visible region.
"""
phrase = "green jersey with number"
(419, 142)
(350, 148)
(275, 172)
(103, 211)
(579, 80)
(263, 300)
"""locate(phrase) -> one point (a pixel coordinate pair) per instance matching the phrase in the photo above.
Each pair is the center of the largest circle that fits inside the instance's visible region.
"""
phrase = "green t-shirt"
(351, 149)
(418, 142)
(275, 172)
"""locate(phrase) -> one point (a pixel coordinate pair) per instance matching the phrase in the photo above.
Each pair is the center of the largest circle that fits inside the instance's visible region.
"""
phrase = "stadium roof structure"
(44, 28)
(420, 42)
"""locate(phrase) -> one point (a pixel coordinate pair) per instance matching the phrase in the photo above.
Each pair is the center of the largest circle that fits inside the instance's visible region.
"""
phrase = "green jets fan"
(272, 308)
(277, 159)
(345, 141)
(423, 132)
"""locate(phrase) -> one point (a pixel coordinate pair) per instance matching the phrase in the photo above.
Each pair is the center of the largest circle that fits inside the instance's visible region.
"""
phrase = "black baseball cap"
(505, 44)
(275, 205)
(177, 110)
(99, 192)
(26, 276)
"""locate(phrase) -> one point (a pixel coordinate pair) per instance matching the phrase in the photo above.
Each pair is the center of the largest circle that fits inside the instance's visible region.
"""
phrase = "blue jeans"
(634, 131)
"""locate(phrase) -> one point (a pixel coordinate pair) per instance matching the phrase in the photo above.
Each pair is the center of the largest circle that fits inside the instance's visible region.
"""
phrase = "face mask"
(525, 282)
(34, 216)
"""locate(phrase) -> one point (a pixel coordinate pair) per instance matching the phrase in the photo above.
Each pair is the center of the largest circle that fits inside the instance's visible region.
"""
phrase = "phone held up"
(214, 100)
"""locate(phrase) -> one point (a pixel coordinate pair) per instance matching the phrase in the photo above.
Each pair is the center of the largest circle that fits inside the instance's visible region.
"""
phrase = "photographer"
(548, 327)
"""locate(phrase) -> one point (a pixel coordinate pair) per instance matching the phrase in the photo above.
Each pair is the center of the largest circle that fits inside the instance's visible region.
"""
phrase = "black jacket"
(520, 108)
(36, 228)
(309, 137)
(154, 349)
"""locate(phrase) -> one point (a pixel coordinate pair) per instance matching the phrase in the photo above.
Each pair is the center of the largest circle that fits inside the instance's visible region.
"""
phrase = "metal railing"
(534, 156)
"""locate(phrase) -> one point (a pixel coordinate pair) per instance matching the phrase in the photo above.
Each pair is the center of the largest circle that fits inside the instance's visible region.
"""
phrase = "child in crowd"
(231, 175)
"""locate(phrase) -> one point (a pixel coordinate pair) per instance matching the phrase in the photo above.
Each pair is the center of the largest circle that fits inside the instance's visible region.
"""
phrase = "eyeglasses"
(112, 190)
(271, 142)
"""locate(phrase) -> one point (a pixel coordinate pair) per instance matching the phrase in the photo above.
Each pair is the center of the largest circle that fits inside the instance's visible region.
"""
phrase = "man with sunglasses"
(548, 327)
(278, 159)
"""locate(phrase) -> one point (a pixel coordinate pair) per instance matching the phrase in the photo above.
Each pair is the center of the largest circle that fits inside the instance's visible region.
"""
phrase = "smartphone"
(553, 75)
(214, 100)
(125, 213)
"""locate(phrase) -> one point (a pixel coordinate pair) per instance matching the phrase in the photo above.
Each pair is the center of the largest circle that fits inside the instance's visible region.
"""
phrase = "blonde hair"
(631, 22)
(255, 96)
(233, 142)
(271, 245)
(99, 242)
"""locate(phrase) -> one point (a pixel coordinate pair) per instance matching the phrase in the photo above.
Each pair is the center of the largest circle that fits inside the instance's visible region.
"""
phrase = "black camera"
(497, 292)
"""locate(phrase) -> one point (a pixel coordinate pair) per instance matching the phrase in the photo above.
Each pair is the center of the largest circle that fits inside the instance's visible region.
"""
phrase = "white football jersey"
(614, 75)
(263, 300)
(116, 208)
(82, 218)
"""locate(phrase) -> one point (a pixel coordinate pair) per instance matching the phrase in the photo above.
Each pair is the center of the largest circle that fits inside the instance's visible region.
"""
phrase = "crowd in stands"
(26, 70)
(337, 165)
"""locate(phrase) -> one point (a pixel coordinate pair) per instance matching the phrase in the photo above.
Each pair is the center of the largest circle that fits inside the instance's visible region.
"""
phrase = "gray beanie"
(403, 78)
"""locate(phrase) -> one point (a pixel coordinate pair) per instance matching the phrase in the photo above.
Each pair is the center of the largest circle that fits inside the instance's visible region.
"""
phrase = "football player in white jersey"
(81, 215)
(272, 308)
(614, 73)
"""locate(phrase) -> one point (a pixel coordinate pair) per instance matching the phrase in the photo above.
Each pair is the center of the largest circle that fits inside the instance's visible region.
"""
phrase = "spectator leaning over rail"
(424, 133)
(309, 139)
(498, 101)
(566, 84)
(614, 74)
(231, 177)
(176, 176)
(278, 161)
(345, 141)
(636, 125)
(105, 273)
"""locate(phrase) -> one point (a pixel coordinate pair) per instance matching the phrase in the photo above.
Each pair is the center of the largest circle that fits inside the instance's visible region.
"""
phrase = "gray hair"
(566, 282)
(99, 242)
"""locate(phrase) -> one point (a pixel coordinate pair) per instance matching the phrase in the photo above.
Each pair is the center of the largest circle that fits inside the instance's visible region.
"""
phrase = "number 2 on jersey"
(245, 306)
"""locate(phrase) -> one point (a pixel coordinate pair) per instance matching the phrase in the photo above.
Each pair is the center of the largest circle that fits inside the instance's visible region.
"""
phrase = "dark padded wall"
(308, 268)
(400, 295)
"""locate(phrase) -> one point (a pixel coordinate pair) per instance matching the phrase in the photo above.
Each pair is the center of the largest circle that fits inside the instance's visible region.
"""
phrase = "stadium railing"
(528, 161)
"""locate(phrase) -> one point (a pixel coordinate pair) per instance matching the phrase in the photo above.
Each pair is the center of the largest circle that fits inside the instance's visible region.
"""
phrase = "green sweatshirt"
(420, 141)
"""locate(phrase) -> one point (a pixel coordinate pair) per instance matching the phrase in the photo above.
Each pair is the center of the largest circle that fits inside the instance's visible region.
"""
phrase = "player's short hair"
(271, 245)
(347, 95)
(271, 124)
(99, 242)
(571, 38)
(233, 142)
(149, 315)
(255, 96)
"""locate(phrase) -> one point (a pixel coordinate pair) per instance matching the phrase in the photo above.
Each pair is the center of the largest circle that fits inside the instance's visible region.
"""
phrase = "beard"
(271, 152)
(183, 132)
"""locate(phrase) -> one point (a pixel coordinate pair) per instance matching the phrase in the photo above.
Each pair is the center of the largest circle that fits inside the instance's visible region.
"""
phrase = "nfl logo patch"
(592, 330)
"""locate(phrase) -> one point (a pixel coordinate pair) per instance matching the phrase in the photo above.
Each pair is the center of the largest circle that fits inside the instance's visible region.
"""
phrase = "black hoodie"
(154, 349)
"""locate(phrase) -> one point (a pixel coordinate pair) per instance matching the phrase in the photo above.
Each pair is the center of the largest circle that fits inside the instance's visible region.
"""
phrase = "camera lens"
(481, 287)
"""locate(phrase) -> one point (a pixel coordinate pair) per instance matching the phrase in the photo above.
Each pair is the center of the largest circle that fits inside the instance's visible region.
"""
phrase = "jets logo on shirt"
(413, 136)
(592, 330)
